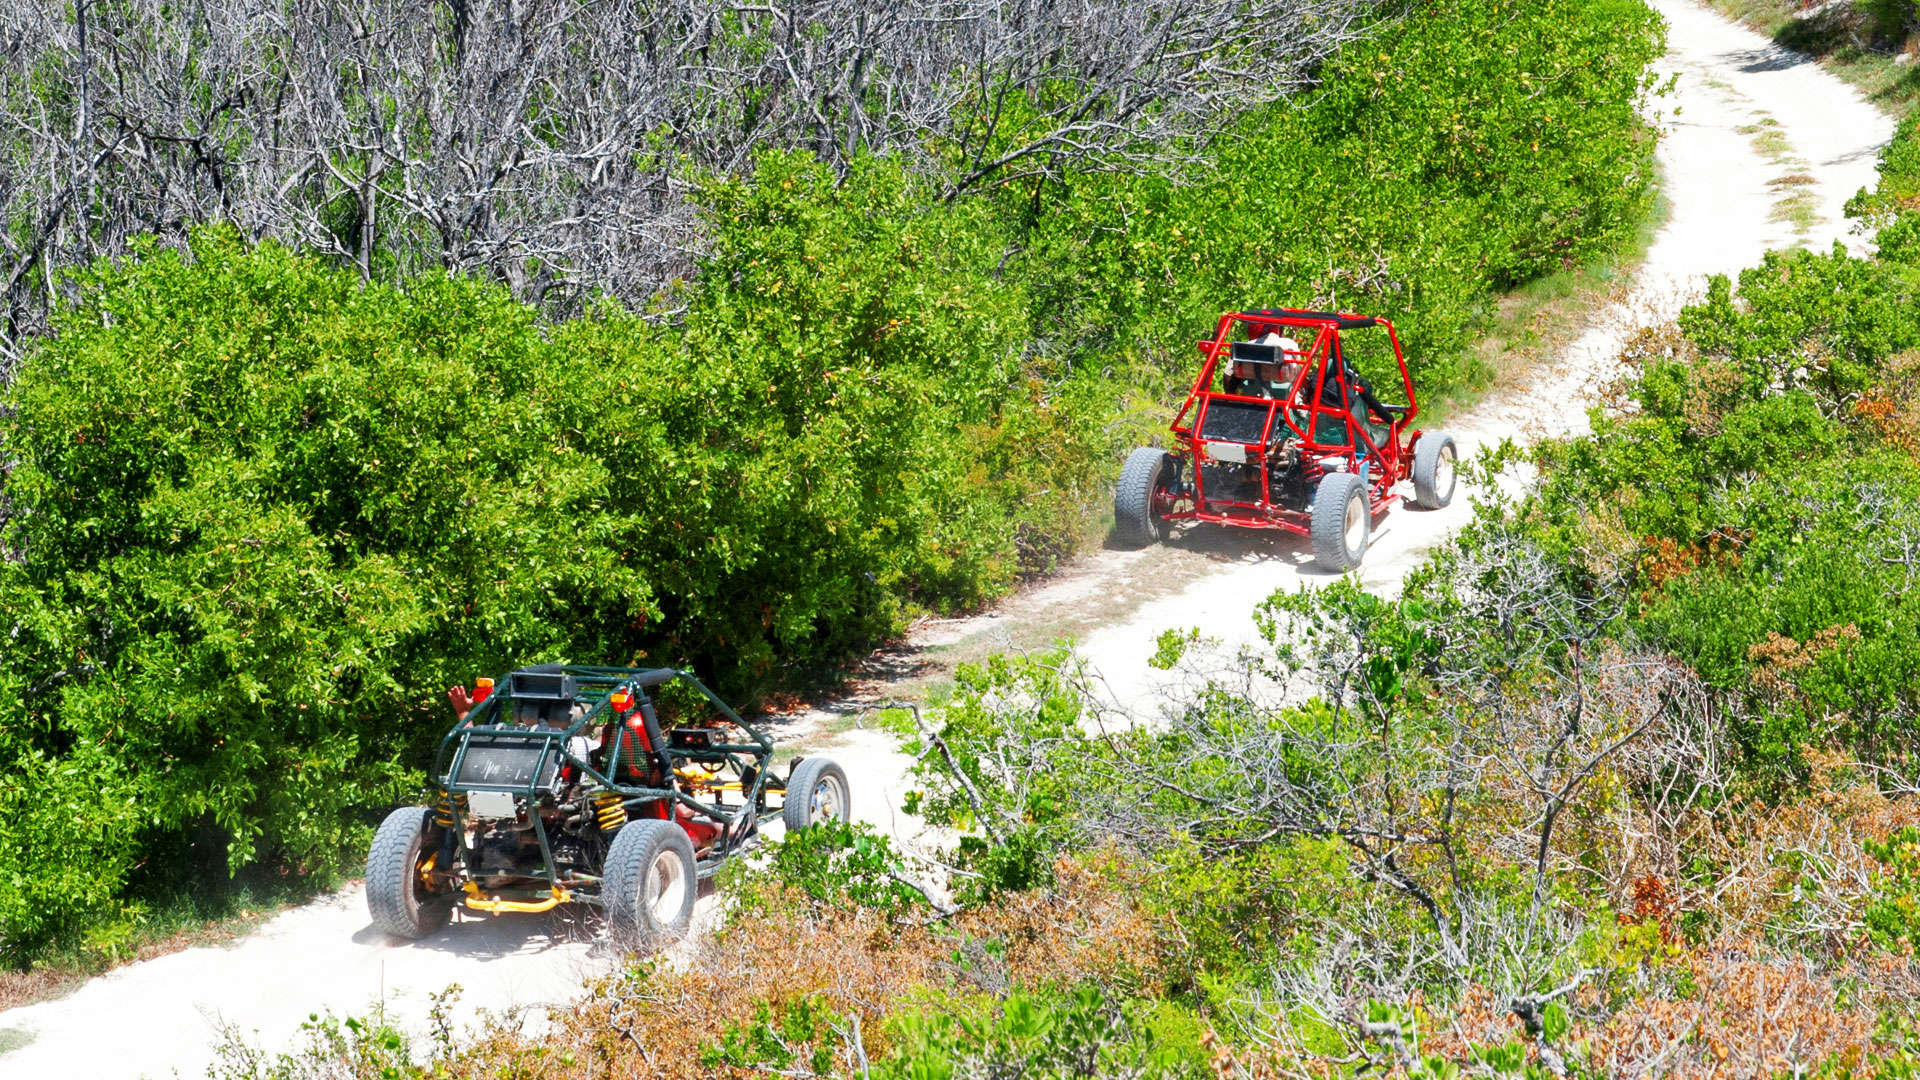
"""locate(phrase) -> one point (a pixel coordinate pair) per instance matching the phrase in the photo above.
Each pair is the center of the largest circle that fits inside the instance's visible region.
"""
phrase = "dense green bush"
(264, 512)
(268, 512)
(1769, 476)
(1469, 146)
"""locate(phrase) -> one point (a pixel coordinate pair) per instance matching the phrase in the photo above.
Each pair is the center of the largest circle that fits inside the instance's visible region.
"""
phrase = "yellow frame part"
(480, 901)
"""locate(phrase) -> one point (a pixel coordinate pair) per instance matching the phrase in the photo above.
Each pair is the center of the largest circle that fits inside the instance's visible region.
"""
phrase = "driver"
(1359, 390)
(1359, 402)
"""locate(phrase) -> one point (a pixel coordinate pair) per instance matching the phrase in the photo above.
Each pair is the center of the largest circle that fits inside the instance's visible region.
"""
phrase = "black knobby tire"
(1135, 520)
(1434, 473)
(816, 791)
(396, 897)
(649, 884)
(1339, 530)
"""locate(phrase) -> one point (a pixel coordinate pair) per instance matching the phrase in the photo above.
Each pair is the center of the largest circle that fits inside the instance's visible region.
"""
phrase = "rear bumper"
(1292, 521)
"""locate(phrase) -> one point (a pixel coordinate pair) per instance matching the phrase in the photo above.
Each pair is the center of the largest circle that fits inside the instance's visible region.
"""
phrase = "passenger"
(1260, 378)
(1240, 378)
(1291, 361)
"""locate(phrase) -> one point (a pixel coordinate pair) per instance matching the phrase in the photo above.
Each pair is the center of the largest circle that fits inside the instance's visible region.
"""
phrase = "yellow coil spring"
(443, 811)
(610, 810)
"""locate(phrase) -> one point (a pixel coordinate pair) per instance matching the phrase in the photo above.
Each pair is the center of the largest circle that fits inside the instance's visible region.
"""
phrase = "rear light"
(620, 700)
(639, 730)
(481, 689)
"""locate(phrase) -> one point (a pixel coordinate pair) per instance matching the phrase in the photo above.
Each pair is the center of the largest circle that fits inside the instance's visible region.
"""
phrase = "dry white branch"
(549, 143)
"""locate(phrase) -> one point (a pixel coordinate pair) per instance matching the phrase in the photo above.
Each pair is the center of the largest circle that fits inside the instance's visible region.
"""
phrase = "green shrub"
(1467, 146)
(1047, 1034)
(264, 515)
(1772, 494)
(1002, 771)
(834, 863)
(1893, 916)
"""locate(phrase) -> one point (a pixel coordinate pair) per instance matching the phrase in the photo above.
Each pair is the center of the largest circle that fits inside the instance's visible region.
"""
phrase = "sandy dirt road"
(1737, 100)
(1745, 114)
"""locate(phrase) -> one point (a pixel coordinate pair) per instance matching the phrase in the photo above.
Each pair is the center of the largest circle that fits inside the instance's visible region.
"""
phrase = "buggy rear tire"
(1135, 522)
(1342, 522)
(649, 884)
(1435, 460)
(816, 793)
(397, 899)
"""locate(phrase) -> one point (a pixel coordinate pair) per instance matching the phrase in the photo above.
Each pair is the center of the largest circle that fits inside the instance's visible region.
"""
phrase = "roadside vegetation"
(1873, 44)
(275, 478)
(1624, 784)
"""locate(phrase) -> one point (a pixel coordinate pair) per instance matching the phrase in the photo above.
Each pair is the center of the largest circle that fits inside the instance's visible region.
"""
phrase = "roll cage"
(1314, 370)
(1211, 423)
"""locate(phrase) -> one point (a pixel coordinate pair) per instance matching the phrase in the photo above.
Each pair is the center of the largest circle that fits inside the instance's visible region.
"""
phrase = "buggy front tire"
(1137, 522)
(1342, 522)
(1435, 462)
(649, 884)
(816, 793)
(398, 896)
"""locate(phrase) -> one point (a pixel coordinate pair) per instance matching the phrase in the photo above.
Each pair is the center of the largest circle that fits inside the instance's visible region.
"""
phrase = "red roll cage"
(1384, 463)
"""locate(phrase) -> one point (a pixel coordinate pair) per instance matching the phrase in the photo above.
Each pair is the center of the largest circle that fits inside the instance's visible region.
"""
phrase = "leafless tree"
(1675, 768)
(1477, 722)
(551, 143)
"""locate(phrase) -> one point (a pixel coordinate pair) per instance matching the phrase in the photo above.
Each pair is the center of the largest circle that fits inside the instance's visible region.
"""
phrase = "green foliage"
(1818, 322)
(1468, 146)
(1395, 636)
(1004, 769)
(837, 863)
(1020, 860)
(264, 514)
(56, 812)
(332, 1048)
(821, 442)
(1772, 491)
(1893, 915)
(1889, 206)
(1888, 20)
(1265, 902)
(1169, 647)
(974, 728)
(801, 1031)
(1045, 1035)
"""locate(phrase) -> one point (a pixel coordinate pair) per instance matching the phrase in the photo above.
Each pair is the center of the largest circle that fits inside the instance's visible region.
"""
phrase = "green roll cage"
(492, 721)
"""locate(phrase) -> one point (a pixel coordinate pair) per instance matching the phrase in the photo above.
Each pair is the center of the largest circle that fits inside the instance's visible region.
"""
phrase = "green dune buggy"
(562, 785)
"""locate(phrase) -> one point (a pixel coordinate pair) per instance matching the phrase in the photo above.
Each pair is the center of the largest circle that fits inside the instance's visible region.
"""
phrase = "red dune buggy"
(565, 786)
(1291, 437)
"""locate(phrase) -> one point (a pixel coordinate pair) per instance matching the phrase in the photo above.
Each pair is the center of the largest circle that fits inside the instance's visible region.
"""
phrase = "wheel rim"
(827, 801)
(415, 888)
(423, 876)
(666, 887)
(1160, 503)
(1354, 531)
(1443, 473)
